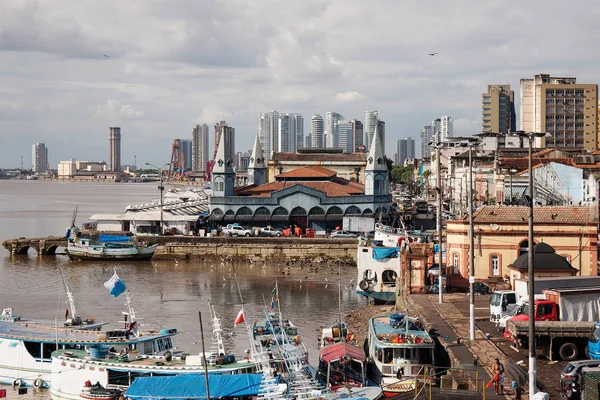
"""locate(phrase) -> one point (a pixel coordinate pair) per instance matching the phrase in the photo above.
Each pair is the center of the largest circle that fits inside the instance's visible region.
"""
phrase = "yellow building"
(501, 237)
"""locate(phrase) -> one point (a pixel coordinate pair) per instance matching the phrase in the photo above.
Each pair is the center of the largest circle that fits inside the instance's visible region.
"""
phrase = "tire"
(247, 234)
(278, 235)
(229, 234)
(568, 351)
(363, 285)
(18, 383)
(38, 383)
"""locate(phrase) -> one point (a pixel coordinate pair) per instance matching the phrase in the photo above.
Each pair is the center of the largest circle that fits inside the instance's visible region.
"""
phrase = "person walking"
(517, 390)
(499, 372)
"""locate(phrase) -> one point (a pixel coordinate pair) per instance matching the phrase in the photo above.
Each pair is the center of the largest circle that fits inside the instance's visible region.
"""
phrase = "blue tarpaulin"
(379, 253)
(193, 386)
(113, 238)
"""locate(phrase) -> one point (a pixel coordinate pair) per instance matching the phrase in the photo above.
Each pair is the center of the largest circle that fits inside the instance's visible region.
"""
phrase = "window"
(455, 264)
(495, 265)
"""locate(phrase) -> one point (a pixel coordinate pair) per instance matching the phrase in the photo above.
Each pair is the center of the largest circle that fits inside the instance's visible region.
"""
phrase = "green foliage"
(402, 175)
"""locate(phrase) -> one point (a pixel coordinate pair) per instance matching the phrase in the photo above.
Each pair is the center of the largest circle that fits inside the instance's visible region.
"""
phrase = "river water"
(165, 293)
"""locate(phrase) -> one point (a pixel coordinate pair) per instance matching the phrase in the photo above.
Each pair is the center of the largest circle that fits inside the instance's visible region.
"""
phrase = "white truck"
(504, 303)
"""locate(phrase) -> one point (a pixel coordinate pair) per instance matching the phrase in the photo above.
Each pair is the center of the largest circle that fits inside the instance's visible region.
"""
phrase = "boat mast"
(342, 336)
(70, 298)
(217, 330)
(248, 329)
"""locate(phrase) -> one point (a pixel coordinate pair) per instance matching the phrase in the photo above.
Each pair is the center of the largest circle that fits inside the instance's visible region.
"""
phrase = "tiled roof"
(314, 171)
(549, 215)
(333, 157)
(333, 188)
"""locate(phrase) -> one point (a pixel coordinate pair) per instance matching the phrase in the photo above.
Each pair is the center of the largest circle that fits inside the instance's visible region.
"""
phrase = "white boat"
(402, 353)
(114, 361)
(377, 271)
(108, 247)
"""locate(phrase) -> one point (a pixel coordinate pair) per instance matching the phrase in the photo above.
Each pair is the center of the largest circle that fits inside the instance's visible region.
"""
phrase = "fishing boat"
(108, 248)
(99, 392)
(401, 353)
(118, 357)
(377, 271)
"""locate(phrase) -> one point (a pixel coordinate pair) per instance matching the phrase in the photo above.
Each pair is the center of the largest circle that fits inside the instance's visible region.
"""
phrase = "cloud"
(114, 110)
(351, 95)
(174, 64)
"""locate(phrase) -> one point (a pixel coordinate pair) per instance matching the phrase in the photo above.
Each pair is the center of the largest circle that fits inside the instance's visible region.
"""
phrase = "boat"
(335, 334)
(401, 353)
(108, 248)
(377, 271)
(26, 344)
(116, 358)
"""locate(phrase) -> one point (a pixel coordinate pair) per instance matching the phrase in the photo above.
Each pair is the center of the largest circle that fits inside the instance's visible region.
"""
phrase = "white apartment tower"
(446, 127)
(371, 118)
(290, 130)
(268, 133)
(114, 142)
(330, 134)
(200, 151)
(39, 158)
(343, 131)
(316, 131)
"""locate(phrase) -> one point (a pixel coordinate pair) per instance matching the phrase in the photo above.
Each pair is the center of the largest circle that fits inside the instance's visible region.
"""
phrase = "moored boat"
(402, 353)
(99, 392)
(377, 271)
(108, 247)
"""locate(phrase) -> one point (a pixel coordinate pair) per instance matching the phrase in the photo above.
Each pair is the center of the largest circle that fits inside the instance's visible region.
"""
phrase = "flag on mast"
(272, 303)
(115, 285)
(240, 318)
(275, 293)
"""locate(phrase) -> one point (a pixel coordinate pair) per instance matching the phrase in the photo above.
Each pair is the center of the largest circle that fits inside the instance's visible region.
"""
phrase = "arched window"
(455, 264)
(335, 210)
(298, 211)
(262, 211)
(353, 210)
(316, 211)
(217, 211)
(244, 211)
(280, 211)
(523, 247)
(388, 278)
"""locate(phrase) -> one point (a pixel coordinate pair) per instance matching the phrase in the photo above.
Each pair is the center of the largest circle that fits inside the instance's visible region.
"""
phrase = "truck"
(358, 224)
(505, 302)
(565, 319)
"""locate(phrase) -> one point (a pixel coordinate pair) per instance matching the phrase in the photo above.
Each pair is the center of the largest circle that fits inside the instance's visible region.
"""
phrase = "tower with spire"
(256, 169)
(223, 175)
(376, 172)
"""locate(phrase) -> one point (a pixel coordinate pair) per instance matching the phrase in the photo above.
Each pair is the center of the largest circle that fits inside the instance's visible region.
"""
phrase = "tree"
(403, 175)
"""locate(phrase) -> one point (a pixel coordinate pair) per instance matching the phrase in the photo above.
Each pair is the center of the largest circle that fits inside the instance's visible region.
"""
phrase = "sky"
(70, 69)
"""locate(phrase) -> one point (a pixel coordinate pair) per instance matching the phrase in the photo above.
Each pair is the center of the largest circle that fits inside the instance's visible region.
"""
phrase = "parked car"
(342, 234)
(237, 230)
(269, 231)
(573, 369)
(480, 288)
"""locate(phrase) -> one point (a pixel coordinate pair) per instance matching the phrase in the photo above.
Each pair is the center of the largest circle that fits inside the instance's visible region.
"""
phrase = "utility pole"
(471, 249)
(439, 218)
(530, 273)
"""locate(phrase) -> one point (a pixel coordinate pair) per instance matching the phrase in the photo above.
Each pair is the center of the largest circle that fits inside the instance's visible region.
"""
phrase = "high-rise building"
(225, 133)
(307, 141)
(426, 138)
(371, 118)
(242, 160)
(185, 148)
(316, 131)
(290, 131)
(498, 110)
(344, 134)
(560, 106)
(405, 149)
(114, 142)
(39, 158)
(446, 127)
(268, 133)
(330, 134)
(200, 147)
(381, 133)
(436, 127)
(357, 135)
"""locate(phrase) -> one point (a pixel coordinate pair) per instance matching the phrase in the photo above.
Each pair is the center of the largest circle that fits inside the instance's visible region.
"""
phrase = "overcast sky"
(173, 64)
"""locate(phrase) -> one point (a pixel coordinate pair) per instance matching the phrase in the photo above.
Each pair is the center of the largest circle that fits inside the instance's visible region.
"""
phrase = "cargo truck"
(504, 302)
(564, 320)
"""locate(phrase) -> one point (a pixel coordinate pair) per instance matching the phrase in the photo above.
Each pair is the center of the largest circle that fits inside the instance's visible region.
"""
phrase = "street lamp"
(511, 171)
(530, 271)
(161, 188)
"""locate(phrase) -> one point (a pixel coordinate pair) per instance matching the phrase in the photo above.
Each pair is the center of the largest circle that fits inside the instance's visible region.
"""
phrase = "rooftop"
(331, 157)
(570, 215)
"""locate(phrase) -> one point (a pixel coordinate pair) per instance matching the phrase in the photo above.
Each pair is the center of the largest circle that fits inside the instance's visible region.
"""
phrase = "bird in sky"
(432, 54)
(104, 55)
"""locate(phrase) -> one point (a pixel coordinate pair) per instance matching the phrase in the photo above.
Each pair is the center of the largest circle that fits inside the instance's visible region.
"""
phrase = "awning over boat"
(335, 352)
(193, 386)
(379, 253)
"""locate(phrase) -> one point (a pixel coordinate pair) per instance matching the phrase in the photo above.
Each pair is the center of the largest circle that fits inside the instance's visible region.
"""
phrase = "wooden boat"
(108, 247)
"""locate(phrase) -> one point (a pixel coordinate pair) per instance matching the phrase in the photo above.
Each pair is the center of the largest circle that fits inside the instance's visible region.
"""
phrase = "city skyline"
(165, 73)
